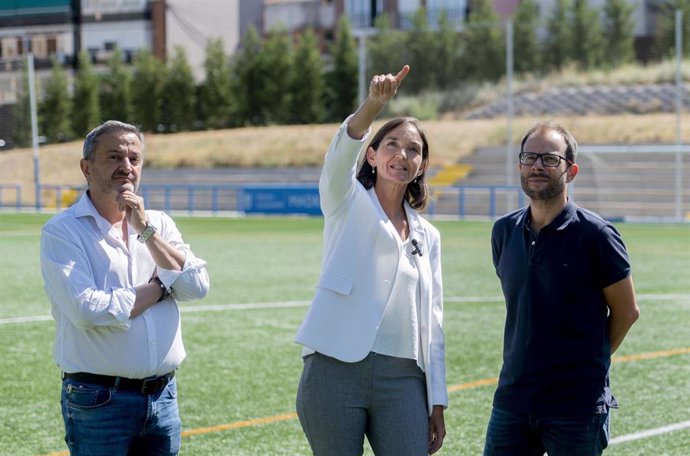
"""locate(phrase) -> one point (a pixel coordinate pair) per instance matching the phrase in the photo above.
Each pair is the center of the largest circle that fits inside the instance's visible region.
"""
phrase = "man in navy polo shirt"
(570, 302)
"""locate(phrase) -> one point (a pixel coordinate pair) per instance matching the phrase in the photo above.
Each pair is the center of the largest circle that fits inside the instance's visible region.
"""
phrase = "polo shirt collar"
(566, 216)
(561, 221)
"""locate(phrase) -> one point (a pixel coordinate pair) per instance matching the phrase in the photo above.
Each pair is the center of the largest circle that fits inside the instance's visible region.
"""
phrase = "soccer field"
(238, 383)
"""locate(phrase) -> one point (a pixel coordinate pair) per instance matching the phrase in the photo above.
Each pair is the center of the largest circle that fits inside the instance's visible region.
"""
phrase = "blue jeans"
(105, 421)
(515, 434)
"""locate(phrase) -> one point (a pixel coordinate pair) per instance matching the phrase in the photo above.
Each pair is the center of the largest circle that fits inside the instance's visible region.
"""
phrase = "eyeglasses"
(548, 160)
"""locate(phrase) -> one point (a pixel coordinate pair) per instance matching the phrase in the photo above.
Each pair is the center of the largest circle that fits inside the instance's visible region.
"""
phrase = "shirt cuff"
(121, 304)
(191, 262)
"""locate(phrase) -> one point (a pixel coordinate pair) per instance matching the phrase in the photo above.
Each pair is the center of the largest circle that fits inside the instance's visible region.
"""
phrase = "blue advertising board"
(277, 199)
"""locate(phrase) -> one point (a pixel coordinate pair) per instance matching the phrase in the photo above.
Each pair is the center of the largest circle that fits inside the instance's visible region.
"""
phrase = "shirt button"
(534, 242)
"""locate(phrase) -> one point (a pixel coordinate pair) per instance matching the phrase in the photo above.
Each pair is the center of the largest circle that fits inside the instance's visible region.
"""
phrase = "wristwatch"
(147, 233)
(164, 290)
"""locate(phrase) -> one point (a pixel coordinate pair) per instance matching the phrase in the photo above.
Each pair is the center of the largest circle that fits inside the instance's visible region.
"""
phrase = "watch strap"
(164, 291)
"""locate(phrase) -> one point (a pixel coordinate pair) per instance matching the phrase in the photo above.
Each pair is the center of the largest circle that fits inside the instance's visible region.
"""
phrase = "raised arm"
(381, 89)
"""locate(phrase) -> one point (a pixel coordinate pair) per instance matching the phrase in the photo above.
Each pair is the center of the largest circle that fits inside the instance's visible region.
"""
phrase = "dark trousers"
(515, 434)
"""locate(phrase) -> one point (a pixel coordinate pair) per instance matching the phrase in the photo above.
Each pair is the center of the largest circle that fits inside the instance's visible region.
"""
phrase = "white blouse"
(399, 334)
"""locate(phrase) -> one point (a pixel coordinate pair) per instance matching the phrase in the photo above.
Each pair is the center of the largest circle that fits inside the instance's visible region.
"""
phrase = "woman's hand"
(384, 86)
(437, 429)
(381, 89)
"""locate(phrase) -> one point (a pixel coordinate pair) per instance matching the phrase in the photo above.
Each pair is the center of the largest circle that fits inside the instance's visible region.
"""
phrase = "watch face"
(146, 234)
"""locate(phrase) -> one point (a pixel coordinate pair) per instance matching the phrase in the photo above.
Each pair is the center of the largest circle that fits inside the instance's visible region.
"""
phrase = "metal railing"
(5, 202)
(458, 201)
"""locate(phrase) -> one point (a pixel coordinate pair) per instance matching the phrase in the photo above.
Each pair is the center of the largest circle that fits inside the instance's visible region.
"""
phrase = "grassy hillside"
(305, 145)
(451, 139)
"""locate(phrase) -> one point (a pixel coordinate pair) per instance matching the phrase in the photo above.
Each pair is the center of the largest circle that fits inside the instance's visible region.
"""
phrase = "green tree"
(526, 52)
(216, 95)
(448, 54)
(22, 110)
(343, 79)
(115, 98)
(484, 38)
(665, 39)
(419, 42)
(56, 107)
(586, 26)
(246, 79)
(308, 82)
(179, 93)
(557, 44)
(87, 114)
(275, 74)
(619, 27)
(384, 52)
(147, 90)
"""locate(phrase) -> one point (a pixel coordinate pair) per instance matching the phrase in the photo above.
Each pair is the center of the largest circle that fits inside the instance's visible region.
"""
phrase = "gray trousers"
(382, 397)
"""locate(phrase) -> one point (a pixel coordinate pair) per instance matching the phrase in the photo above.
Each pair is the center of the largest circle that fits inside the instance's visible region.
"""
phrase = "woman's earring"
(373, 170)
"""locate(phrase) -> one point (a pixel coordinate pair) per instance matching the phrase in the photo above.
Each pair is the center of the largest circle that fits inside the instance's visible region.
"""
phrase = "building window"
(9, 47)
(39, 46)
(363, 13)
(407, 9)
(52, 46)
(454, 9)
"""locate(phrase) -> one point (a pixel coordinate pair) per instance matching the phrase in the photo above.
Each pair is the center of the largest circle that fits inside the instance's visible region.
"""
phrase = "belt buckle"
(153, 385)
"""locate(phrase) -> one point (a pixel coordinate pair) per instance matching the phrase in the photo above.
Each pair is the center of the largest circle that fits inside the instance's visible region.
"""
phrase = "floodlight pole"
(679, 109)
(361, 35)
(509, 114)
(34, 128)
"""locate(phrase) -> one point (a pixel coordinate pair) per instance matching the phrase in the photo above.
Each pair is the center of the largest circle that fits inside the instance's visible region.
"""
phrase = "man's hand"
(437, 429)
(133, 205)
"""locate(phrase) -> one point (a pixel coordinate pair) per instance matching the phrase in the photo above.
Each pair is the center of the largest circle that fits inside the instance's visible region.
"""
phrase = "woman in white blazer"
(374, 358)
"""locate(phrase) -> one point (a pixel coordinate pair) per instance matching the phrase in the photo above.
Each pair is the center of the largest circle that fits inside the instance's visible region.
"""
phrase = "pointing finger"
(402, 73)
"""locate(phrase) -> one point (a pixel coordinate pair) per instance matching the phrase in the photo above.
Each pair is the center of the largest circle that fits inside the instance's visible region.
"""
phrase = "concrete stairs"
(615, 185)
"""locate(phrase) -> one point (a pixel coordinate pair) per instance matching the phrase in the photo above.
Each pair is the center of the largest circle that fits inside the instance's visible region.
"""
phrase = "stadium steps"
(597, 99)
(450, 174)
(614, 185)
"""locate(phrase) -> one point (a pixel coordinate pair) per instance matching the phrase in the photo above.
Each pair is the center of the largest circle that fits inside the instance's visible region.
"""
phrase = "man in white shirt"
(114, 272)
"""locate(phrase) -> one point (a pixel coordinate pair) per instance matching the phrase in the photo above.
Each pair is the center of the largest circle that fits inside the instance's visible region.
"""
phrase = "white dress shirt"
(90, 274)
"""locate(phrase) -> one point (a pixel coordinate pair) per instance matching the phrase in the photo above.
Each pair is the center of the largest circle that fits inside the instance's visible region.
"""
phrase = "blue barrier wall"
(269, 199)
(275, 199)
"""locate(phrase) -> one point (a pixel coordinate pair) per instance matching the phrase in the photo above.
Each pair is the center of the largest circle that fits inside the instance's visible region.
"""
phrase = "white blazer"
(360, 261)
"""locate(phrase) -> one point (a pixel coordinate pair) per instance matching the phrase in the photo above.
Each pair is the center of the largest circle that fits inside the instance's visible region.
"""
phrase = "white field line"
(287, 304)
(650, 433)
(248, 306)
(9, 321)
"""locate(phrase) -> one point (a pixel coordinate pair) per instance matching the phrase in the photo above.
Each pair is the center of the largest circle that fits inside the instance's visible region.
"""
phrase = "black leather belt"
(150, 385)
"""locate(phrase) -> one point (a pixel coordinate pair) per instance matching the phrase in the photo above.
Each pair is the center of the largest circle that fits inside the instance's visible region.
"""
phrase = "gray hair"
(570, 142)
(107, 127)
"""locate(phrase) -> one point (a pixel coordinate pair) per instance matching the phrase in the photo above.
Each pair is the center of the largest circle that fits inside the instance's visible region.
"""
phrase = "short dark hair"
(417, 193)
(107, 127)
(570, 142)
